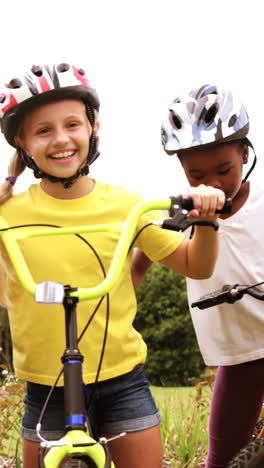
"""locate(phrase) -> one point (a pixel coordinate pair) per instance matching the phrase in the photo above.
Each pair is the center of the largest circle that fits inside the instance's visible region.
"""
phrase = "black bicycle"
(251, 456)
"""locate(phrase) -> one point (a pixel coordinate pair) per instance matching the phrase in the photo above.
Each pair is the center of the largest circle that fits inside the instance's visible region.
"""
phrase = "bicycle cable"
(137, 235)
(251, 286)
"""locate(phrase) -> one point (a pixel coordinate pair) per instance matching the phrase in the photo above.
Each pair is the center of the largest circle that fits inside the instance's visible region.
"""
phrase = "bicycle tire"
(251, 456)
(80, 463)
(258, 428)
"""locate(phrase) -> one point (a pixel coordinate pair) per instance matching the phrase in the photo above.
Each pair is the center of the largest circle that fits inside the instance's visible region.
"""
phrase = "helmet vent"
(210, 114)
(63, 67)
(15, 83)
(37, 71)
(232, 120)
(81, 71)
(164, 137)
(176, 121)
(2, 98)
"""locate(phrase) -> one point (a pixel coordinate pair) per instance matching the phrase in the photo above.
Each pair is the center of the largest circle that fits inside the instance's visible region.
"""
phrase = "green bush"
(165, 323)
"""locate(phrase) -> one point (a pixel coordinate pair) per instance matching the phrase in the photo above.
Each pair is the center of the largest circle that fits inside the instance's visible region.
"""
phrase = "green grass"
(177, 393)
(184, 413)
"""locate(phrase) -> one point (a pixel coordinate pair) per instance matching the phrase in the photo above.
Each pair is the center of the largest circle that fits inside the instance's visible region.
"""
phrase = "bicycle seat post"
(72, 368)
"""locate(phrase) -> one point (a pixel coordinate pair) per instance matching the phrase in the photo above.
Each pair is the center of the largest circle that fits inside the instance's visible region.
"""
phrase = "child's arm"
(139, 267)
(196, 257)
(191, 258)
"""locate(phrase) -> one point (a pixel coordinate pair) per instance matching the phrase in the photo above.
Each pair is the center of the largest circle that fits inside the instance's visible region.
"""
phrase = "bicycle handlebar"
(228, 294)
(10, 235)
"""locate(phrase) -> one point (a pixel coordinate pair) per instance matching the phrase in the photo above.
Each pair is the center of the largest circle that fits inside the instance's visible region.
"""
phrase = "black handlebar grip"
(210, 300)
(187, 204)
(218, 297)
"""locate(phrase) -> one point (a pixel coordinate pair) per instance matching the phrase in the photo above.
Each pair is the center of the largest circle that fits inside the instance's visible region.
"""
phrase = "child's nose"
(61, 137)
(213, 182)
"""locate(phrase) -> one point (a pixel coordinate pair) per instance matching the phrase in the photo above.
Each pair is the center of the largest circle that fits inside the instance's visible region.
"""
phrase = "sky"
(140, 55)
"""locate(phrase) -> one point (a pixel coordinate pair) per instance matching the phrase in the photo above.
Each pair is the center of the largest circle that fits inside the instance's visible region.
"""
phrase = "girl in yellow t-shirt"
(50, 116)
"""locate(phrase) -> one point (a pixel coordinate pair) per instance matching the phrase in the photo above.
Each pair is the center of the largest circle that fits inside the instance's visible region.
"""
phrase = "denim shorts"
(121, 404)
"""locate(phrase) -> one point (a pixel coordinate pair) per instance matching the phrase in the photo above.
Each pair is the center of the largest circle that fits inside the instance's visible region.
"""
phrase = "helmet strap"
(67, 182)
(248, 142)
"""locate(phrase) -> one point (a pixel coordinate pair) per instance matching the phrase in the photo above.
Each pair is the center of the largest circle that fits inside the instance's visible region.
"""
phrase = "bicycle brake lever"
(178, 214)
(179, 222)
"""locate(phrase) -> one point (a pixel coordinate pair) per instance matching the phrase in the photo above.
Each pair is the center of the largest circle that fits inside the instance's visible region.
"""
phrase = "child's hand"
(206, 200)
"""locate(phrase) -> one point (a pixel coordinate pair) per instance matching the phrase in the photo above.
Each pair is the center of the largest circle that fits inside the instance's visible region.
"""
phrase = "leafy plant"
(165, 323)
(11, 410)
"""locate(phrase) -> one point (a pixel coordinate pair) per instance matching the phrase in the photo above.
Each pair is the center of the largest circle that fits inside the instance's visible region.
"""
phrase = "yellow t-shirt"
(37, 329)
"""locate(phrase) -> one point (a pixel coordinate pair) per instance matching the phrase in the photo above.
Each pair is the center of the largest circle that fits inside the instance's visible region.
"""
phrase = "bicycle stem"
(72, 369)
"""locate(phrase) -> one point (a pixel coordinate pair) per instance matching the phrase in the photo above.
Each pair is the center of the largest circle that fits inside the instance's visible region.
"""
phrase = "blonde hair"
(15, 168)
(5, 275)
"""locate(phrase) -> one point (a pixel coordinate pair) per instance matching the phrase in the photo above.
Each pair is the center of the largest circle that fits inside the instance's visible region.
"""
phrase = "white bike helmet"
(208, 115)
(39, 85)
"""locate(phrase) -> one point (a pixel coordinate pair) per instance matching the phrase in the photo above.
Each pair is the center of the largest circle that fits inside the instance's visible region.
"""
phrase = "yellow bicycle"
(78, 444)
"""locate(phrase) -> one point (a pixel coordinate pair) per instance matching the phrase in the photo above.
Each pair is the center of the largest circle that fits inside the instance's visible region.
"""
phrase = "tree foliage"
(165, 323)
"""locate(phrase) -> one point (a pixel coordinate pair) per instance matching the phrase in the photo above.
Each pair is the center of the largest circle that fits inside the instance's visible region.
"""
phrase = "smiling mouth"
(64, 155)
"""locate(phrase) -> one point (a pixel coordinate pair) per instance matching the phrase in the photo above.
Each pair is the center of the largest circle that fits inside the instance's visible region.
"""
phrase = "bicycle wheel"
(251, 456)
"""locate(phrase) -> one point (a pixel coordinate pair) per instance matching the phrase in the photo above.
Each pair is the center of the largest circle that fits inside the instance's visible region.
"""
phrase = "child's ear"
(245, 154)
(19, 142)
(96, 127)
